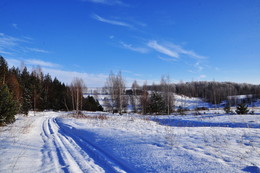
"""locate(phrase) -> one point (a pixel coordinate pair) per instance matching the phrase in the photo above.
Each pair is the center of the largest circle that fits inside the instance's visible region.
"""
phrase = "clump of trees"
(116, 101)
(22, 91)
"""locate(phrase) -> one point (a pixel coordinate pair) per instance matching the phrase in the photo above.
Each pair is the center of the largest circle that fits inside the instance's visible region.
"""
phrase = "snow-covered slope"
(56, 142)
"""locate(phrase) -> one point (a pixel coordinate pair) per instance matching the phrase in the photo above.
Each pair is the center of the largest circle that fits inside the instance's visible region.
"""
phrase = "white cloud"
(37, 50)
(31, 62)
(5, 52)
(107, 2)
(17, 46)
(167, 59)
(40, 63)
(162, 49)
(112, 22)
(190, 53)
(91, 80)
(173, 50)
(13, 62)
(136, 49)
(7, 41)
(198, 66)
(202, 76)
(15, 25)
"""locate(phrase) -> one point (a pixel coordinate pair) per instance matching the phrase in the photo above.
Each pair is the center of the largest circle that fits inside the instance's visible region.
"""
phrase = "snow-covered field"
(56, 142)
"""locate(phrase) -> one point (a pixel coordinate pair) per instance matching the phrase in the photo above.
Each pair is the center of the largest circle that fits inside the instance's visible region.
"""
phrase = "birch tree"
(77, 86)
(115, 87)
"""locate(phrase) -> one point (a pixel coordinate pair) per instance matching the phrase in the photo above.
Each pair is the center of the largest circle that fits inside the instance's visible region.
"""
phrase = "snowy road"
(73, 153)
(55, 142)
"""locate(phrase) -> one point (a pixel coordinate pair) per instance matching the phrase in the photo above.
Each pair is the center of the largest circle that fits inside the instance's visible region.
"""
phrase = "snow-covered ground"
(57, 142)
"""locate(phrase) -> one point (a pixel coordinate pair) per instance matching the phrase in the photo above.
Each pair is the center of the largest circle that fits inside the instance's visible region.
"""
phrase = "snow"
(57, 142)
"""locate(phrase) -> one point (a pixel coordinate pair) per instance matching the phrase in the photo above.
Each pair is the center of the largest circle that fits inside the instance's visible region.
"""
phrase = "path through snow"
(53, 142)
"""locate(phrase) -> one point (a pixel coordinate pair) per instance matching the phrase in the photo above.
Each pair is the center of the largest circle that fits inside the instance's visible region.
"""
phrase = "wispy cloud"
(37, 50)
(198, 66)
(106, 2)
(132, 48)
(9, 41)
(167, 59)
(5, 52)
(17, 46)
(91, 80)
(112, 22)
(202, 76)
(31, 63)
(172, 50)
(40, 63)
(15, 25)
(162, 49)
(190, 53)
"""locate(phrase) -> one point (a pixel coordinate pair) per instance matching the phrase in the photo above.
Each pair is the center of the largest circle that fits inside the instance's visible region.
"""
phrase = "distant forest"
(213, 92)
(22, 90)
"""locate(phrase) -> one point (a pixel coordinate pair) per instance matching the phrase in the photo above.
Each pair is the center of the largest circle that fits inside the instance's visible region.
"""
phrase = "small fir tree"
(242, 109)
(157, 104)
(8, 107)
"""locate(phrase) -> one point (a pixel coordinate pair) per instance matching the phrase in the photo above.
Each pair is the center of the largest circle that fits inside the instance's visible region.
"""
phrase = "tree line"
(22, 91)
(159, 98)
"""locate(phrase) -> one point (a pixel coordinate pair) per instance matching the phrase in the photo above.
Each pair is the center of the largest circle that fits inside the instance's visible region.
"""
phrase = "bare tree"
(167, 92)
(77, 86)
(115, 87)
(134, 96)
(37, 86)
(144, 99)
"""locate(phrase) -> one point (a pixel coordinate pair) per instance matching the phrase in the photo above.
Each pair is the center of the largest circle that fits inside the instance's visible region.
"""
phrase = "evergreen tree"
(157, 104)
(91, 104)
(242, 109)
(26, 91)
(3, 71)
(8, 107)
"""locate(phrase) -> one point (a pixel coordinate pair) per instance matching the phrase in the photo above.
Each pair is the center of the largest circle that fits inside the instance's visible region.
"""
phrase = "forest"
(22, 90)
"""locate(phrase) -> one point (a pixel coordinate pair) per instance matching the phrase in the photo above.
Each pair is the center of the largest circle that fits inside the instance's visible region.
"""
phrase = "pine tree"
(157, 104)
(3, 70)
(26, 91)
(242, 109)
(91, 104)
(8, 107)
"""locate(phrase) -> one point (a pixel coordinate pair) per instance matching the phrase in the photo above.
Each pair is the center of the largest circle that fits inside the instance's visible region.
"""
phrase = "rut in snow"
(71, 153)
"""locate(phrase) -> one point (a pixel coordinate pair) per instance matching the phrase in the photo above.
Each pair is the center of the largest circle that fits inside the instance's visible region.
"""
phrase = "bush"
(182, 110)
(227, 109)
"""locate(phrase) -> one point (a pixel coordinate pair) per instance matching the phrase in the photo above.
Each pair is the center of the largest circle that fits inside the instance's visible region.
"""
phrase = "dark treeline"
(22, 91)
(213, 92)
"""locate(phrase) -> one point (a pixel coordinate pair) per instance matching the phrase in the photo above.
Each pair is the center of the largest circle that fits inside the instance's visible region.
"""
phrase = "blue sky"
(187, 40)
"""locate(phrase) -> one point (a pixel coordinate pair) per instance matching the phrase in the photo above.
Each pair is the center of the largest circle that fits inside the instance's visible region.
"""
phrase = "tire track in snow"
(101, 157)
(63, 152)
(51, 154)
(76, 158)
